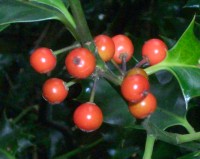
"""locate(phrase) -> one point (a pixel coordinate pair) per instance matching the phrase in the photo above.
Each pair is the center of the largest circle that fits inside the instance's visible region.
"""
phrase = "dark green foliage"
(31, 128)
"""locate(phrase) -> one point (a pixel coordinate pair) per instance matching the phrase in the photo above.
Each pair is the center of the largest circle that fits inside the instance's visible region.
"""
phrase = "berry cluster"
(135, 89)
(80, 63)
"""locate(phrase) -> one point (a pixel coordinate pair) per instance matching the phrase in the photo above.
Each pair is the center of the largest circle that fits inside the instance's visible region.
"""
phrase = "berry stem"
(149, 146)
(110, 77)
(124, 64)
(135, 59)
(57, 52)
(117, 67)
(71, 83)
(142, 62)
(92, 95)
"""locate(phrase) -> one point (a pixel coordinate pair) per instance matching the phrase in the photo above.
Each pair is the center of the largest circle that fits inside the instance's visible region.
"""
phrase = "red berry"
(88, 117)
(137, 70)
(105, 46)
(123, 47)
(154, 50)
(43, 60)
(134, 88)
(54, 90)
(80, 63)
(143, 108)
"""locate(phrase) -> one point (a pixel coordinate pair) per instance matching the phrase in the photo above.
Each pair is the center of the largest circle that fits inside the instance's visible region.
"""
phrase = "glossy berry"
(134, 88)
(143, 108)
(43, 60)
(105, 46)
(135, 71)
(80, 63)
(154, 50)
(88, 117)
(123, 47)
(54, 90)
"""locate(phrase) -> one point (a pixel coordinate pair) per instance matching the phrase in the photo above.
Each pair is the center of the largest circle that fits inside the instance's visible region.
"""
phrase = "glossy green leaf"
(2, 27)
(193, 4)
(165, 150)
(13, 11)
(58, 4)
(183, 62)
(168, 102)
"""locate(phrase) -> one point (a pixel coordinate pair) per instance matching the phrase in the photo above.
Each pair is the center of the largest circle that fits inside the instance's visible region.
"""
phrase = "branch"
(81, 24)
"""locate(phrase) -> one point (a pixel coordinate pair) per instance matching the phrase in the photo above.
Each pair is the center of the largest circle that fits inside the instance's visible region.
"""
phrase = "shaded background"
(20, 85)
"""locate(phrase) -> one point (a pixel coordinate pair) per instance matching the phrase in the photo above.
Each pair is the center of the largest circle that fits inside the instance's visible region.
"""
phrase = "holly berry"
(88, 117)
(43, 60)
(54, 90)
(105, 46)
(123, 48)
(134, 88)
(135, 71)
(80, 63)
(143, 108)
(154, 50)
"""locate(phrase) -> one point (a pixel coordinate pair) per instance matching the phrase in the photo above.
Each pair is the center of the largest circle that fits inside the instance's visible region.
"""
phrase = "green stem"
(189, 128)
(124, 64)
(142, 62)
(117, 67)
(93, 90)
(172, 138)
(57, 52)
(155, 68)
(109, 76)
(69, 84)
(79, 150)
(84, 34)
(23, 113)
(149, 146)
(188, 138)
(133, 57)
(81, 24)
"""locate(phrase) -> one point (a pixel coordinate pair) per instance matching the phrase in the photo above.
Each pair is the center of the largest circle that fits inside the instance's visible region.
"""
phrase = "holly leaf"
(183, 62)
(168, 102)
(61, 7)
(15, 11)
(2, 27)
(193, 4)
(58, 4)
